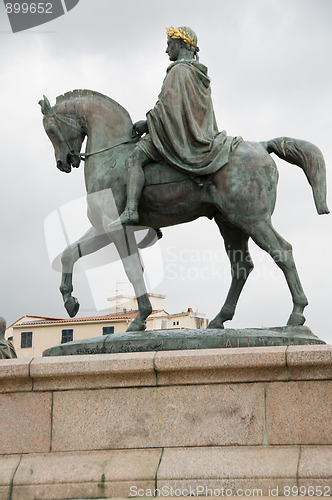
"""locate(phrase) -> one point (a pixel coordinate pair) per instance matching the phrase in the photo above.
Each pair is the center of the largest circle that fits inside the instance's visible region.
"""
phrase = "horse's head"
(65, 132)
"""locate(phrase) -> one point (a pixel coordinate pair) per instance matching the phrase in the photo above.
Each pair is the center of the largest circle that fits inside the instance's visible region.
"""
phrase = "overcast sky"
(270, 66)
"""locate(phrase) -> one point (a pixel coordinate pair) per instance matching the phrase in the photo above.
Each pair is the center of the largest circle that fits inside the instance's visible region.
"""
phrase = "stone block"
(205, 415)
(229, 462)
(227, 488)
(4, 492)
(309, 362)
(25, 422)
(14, 375)
(315, 487)
(91, 491)
(228, 471)
(221, 365)
(316, 462)
(56, 476)
(97, 371)
(207, 497)
(299, 412)
(8, 466)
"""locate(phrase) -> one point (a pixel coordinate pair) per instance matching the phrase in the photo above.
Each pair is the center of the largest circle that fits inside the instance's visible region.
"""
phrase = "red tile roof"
(107, 317)
(32, 316)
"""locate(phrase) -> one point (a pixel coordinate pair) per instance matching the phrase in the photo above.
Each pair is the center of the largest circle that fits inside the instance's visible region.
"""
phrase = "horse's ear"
(45, 106)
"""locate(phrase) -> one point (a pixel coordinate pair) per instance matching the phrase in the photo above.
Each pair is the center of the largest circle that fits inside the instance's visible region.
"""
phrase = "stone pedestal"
(217, 422)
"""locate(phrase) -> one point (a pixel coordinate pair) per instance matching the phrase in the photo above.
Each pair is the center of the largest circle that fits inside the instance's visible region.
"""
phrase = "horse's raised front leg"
(90, 242)
(267, 238)
(126, 245)
(236, 244)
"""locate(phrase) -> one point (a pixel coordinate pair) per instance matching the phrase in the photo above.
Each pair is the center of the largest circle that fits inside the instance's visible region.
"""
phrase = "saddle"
(163, 173)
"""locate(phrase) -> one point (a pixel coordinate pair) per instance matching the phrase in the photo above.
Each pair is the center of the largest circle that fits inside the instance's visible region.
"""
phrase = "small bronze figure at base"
(7, 350)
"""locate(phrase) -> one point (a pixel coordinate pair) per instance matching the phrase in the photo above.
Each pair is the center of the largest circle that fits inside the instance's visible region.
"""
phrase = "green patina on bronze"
(7, 350)
(179, 340)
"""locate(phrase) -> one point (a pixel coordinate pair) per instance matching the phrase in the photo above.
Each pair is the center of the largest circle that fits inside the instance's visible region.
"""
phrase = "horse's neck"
(107, 124)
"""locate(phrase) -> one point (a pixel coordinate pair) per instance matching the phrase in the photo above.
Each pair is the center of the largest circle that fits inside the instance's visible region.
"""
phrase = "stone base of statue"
(253, 421)
(171, 340)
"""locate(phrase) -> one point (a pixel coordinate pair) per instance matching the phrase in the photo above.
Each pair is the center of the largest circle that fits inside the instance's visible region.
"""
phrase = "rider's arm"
(140, 128)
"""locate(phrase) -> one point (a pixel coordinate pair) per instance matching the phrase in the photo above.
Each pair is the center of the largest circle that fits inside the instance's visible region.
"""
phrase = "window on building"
(26, 339)
(164, 324)
(108, 330)
(176, 323)
(67, 335)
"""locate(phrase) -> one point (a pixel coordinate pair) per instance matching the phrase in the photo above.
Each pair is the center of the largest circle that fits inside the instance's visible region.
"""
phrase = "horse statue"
(240, 197)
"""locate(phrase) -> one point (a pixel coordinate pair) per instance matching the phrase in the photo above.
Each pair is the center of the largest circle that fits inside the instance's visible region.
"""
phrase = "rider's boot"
(129, 215)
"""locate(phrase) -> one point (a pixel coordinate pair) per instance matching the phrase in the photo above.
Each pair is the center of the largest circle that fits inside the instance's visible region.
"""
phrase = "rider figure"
(181, 128)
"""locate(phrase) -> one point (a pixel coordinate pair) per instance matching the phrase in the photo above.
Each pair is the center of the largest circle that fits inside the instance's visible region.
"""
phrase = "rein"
(83, 156)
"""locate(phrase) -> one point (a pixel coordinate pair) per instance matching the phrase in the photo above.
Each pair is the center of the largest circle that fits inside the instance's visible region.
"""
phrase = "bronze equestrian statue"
(191, 170)
(7, 350)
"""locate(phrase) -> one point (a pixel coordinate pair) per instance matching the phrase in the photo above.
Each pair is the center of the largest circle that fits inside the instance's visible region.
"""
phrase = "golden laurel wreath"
(177, 33)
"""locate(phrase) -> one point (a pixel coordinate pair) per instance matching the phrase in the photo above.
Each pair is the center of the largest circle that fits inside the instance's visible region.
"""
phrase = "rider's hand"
(140, 128)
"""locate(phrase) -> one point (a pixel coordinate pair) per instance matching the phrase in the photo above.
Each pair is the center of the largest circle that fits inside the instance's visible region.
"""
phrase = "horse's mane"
(74, 94)
(80, 93)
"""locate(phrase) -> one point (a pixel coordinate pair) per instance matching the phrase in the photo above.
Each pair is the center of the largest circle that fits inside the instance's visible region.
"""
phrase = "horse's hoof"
(136, 327)
(296, 319)
(215, 325)
(72, 306)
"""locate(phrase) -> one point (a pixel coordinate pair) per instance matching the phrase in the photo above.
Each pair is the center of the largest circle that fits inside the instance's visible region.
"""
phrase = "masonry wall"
(100, 426)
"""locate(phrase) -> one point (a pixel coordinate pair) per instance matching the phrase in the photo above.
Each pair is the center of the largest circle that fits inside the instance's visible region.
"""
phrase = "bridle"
(58, 120)
(73, 153)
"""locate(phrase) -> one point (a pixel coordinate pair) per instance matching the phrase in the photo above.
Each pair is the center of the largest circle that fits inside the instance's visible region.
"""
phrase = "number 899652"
(29, 8)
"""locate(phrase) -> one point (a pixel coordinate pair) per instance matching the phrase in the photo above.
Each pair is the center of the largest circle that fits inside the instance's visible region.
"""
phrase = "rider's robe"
(182, 124)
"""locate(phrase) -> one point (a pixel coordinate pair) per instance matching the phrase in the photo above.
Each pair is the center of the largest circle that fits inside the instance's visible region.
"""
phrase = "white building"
(31, 335)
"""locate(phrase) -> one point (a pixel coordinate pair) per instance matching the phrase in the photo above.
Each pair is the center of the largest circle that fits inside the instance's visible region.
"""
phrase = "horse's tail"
(306, 155)
(152, 236)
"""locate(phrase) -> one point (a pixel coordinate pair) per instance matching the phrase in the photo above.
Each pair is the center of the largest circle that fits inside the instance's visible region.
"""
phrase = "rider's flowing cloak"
(182, 124)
